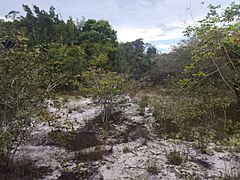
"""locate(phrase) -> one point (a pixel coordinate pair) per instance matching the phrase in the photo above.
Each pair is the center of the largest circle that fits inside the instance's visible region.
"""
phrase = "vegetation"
(216, 52)
(175, 157)
(126, 149)
(20, 98)
(205, 106)
(193, 91)
(106, 87)
(152, 168)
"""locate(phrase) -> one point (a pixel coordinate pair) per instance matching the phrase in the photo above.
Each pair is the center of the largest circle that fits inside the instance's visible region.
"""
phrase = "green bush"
(20, 99)
(106, 88)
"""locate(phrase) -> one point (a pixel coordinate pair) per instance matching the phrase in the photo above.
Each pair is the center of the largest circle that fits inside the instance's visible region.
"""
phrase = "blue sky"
(159, 22)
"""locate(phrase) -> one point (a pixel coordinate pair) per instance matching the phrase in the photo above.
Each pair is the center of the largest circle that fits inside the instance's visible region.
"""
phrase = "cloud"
(163, 46)
(149, 34)
(131, 34)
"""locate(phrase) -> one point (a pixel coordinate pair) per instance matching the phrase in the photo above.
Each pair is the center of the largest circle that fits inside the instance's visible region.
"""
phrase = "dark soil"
(74, 141)
(23, 170)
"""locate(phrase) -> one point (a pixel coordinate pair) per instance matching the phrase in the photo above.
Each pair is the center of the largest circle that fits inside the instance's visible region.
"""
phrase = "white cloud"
(131, 34)
(163, 46)
(148, 34)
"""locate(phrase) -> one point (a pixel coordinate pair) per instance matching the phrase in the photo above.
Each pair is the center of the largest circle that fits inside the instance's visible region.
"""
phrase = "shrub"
(175, 157)
(89, 156)
(106, 89)
(126, 149)
(192, 117)
(20, 99)
(152, 168)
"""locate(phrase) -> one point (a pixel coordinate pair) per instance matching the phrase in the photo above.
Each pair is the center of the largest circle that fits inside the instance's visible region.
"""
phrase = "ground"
(76, 145)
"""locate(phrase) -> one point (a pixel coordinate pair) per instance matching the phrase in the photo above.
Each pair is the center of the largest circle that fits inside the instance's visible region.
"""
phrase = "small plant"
(152, 168)
(126, 149)
(201, 141)
(143, 104)
(106, 88)
(57, 104)
(144, 142)
(175, 157)
(142, 132)
(60, 138)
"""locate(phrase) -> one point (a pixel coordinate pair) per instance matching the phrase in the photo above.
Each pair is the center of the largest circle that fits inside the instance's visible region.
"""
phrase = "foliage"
(106, 87)
(171, 65)
(69, 48)
(193, 116)
(216, 51)
(207, 108)
(97, 32)
(20, 98)
(62, 65)
(39, 25)
(136, 58)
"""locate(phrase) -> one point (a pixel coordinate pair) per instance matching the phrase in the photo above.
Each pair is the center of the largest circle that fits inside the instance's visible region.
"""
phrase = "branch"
(221, 75)
(192, 13)
(230, 60)
(217, 70)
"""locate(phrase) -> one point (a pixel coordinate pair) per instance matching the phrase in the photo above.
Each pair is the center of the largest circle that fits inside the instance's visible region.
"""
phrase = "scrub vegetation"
(191, 94)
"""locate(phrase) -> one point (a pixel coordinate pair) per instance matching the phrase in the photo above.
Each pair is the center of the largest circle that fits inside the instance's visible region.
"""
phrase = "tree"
(217, 51)
(98, 32)
(151, 51)
(40, 26)
(171, 65)
(136, 58)
(62, 66)
(99, 42)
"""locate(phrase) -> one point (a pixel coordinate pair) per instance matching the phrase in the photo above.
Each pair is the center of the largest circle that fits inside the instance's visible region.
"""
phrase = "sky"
(159, 22)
